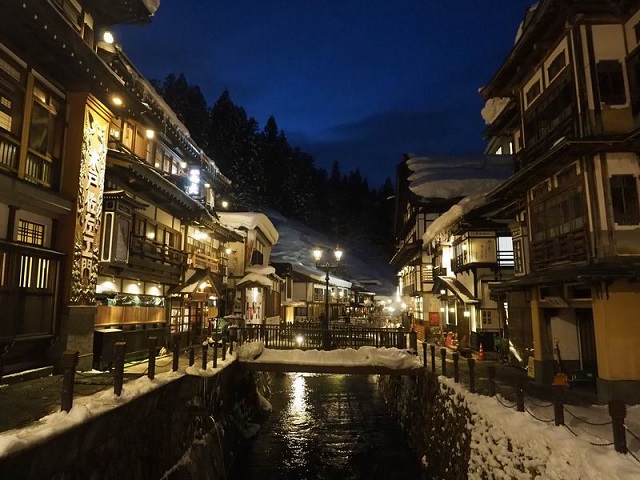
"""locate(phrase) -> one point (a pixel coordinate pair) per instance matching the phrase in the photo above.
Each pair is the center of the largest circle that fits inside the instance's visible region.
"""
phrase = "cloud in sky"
(375, 144)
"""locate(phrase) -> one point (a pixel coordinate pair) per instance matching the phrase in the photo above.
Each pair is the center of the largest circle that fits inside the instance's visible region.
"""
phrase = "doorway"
(587, 338)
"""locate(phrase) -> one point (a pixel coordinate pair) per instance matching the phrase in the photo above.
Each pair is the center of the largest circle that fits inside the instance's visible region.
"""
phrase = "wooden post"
(456, 369)
(558, 391)
(69, 364)
(402, 340)
(618, 412)
(491, 370)
(424, 354)
(153, 344)
(413, 341)
(471, 362)
(205, 347)
(432, 347)
(118, 361)
(266, 338)
(215, 353)
(176, 352)
(443, 358)
(224, 349)
(192, 355)
(520, 395)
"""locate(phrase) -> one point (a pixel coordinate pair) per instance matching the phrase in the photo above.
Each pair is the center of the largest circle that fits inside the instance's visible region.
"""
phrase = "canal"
(327, 427)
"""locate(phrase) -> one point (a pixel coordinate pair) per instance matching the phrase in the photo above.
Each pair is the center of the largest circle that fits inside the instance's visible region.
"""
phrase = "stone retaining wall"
(188, 428)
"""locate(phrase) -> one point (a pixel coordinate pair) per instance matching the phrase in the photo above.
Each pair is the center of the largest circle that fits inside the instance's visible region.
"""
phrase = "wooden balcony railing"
(569, 247)
(145, 254)
(202, 260)
(9, 153)
(41, 170)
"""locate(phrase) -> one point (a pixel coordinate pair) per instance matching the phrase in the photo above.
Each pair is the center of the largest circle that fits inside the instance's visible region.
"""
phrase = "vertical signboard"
(84, 272)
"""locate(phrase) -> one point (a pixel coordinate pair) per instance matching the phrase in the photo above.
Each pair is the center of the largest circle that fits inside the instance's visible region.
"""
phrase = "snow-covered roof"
(441, 225)
(457, 176)
(255, 278)
(250, 221)
(265, 270)
(493, 108)
(152, 5)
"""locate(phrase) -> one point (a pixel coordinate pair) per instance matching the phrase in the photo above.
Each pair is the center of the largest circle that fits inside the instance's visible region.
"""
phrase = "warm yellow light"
(467, 313)
(227, 251)
(203, 285)
(150, 134)
(207, 185)
(151, 235)
(338, 253)
(107, 36)
(225, 204)
(117, 101)
(442, 292)
(317, 254)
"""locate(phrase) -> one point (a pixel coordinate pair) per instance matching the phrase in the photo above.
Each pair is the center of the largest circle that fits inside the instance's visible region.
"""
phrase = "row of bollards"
(617, 409)
(70, 364)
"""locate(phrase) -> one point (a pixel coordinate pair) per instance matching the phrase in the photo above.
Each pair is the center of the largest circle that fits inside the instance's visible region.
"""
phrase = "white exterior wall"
(565, 330)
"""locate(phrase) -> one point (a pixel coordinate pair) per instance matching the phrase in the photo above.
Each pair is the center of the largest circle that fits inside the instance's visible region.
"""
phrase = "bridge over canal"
(354, 350)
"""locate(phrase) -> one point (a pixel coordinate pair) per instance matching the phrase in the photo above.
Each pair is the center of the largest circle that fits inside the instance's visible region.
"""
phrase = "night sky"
(357, 81)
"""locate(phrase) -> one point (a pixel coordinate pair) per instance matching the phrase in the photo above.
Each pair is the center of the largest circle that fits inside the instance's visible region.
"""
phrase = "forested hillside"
(267, 171)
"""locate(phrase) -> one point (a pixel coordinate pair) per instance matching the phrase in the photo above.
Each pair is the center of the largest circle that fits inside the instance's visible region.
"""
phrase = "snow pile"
(510, 444)
(392, 358)
(250, 350)
(459, 176)
(441, 225)
(197, 370)
(493, 108)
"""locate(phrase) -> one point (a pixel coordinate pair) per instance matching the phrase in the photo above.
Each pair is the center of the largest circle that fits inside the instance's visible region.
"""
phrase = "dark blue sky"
(358, 81)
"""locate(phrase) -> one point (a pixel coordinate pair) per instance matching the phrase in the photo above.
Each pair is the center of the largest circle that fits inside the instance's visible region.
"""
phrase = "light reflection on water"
(326, 427)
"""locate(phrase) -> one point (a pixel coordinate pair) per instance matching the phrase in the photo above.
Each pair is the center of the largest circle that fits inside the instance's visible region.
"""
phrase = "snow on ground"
(84, 409)
(505, 442)
(508, 443)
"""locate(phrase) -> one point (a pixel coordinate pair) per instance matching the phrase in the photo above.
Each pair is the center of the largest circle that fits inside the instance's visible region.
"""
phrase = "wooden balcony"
(145, 255)
(41, 170)
(202, 260)
(9, 153)
(569, 247)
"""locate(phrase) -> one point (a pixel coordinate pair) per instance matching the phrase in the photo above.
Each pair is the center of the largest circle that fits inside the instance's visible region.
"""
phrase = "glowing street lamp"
(326, 266)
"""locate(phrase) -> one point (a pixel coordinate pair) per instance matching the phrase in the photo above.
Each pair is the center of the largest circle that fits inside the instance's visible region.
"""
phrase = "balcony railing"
(9, 153)
(147, 254)
(569, 247)
(202, 260)
(41, 170)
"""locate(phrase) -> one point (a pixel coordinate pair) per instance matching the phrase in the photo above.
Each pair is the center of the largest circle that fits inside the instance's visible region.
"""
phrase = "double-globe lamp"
(326, 266)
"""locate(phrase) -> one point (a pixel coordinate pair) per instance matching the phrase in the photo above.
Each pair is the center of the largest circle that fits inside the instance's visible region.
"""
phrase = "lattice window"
(30, 232)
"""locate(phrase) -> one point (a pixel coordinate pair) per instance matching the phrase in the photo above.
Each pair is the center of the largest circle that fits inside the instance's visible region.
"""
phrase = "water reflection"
(326, 427)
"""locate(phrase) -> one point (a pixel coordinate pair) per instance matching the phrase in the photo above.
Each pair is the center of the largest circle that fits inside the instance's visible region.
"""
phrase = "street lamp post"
(326, 266)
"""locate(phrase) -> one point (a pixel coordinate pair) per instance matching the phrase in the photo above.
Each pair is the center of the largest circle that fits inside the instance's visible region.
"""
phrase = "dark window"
(624, 199)
(556, 66)
(636, 29)
(533, 92)
(611, 82)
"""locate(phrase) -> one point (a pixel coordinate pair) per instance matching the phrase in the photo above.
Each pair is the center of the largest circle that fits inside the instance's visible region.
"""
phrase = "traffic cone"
(481, 353)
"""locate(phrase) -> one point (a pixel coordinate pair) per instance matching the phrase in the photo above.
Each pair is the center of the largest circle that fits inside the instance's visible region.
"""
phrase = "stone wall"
(435, 420)
(455, 435)
(186, 429)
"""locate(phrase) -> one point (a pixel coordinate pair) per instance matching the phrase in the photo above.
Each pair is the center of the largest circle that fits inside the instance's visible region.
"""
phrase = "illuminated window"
(12, 78)
(29, 232)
